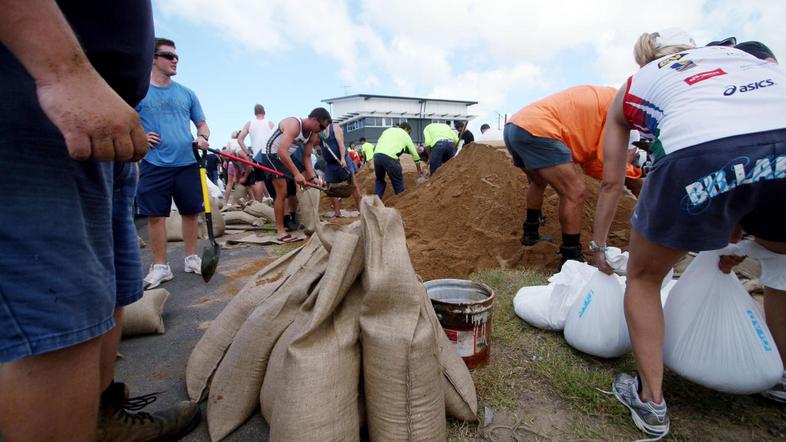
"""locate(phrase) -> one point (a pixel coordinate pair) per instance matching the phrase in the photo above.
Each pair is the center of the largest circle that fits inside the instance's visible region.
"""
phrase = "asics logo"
(731, 90)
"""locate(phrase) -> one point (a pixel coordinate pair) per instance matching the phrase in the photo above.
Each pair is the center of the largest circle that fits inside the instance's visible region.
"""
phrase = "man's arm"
(242, 137)
(311, 175)
(95, 122)
(341, 148)
(203, 134)
(290, 128)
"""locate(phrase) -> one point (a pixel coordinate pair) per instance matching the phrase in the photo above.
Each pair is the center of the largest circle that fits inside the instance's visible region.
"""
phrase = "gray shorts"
(531, 152)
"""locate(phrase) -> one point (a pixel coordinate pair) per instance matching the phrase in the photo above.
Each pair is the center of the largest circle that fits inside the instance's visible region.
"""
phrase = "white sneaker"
(158, 273)
(267, 200)
(193, 264)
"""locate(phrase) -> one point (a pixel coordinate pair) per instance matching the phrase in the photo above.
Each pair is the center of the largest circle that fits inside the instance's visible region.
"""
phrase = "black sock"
(533, 216)
(286, 219)
(571, 240)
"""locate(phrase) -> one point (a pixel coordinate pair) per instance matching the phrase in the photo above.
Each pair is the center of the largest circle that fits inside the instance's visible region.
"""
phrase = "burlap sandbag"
(307, 404)
(260, 210)
(234, 390)
(174, 226)
(239, 194)
(238, 217)
(308, 207)
(174, 223)
(400, 367)
(144, 316)
(461, 400)
(211, 347)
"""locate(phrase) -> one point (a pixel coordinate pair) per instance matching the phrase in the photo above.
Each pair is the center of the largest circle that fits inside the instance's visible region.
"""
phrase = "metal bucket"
(464, 310)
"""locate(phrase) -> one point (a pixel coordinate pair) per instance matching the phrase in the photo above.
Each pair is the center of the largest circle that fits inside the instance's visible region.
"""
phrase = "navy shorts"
(334, 173)
(694, 198)
(531, 152)
(158, 186)
(68, 247)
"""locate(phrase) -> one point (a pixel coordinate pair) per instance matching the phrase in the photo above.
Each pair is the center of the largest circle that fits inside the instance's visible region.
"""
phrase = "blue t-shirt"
(167, 111)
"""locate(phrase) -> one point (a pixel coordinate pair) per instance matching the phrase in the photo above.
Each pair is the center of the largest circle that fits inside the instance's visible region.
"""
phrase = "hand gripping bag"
(596, 321)
(715, 334)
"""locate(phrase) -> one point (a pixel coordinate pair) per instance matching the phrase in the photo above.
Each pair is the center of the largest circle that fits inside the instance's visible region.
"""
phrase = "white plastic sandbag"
(596, 321)
(715, 334)
(547, 307)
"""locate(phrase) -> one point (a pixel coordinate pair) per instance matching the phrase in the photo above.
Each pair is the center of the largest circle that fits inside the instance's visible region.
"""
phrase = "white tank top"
(275, 140)
(260, 131)
(704, 94)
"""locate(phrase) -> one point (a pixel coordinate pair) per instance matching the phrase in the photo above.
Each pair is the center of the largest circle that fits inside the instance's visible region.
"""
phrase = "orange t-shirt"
(577, 117)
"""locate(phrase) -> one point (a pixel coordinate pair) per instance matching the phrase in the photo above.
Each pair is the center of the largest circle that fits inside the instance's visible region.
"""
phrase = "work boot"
(115, 423)
(570, 253)
(531, 235)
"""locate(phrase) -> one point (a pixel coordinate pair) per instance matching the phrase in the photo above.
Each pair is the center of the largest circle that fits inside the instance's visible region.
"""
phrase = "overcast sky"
(290, 54)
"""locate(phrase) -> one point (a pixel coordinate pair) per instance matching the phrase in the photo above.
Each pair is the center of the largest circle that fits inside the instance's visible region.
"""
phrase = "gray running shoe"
(649, 417)
(778, 392)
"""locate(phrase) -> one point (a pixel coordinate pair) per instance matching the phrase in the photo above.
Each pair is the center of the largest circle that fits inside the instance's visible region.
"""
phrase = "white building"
(366, 116)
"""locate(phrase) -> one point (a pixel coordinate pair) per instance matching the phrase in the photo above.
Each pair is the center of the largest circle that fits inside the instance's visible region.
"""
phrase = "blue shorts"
(694, 198)
(68, 247)
(334, 173)
(531, 152)
(158, 186)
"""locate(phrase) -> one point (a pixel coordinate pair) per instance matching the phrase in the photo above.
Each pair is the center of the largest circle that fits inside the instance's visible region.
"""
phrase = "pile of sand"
(468, 216)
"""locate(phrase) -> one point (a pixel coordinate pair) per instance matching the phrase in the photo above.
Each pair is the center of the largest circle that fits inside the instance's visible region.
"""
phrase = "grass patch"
(528, 365)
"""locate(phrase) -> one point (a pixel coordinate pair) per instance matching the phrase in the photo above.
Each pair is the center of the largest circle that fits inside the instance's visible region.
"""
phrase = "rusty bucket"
(464, 310)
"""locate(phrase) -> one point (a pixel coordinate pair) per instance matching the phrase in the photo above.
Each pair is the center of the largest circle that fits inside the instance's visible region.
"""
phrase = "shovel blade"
(210, 255)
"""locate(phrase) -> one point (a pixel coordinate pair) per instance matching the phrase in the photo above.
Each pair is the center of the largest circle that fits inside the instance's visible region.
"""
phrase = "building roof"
(367, 96)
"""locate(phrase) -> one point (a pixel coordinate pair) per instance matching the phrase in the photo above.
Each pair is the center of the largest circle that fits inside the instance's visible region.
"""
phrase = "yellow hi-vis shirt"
(395, 141)
(368, 150)
(435, 132)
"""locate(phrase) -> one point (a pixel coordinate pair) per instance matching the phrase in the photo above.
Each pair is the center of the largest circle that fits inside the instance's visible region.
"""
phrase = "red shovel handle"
(256, 165)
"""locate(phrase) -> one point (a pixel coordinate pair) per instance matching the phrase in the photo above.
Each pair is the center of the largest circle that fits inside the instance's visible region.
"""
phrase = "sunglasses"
(168, 55)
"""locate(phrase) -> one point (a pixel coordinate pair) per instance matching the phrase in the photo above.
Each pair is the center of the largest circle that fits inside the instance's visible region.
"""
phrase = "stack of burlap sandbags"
(337, 334)
(174, 223)
(252, 213)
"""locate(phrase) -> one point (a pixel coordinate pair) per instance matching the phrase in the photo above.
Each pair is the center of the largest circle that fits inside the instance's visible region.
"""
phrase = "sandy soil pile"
(468, 216)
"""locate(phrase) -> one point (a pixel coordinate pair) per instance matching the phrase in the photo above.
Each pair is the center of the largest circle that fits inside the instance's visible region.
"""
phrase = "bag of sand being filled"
(596, 321)
(715, 334)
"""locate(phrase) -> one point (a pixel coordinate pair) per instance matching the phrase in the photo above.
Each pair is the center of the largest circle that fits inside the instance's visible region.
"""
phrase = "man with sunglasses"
(282, 153)
(169, 170)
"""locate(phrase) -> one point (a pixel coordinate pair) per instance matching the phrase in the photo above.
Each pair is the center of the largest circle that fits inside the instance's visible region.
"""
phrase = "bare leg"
(775, 304)
(228, 190)
(356, 191)
(569, 184)
(535, 189)
(190, 227)
(109, 345)
(649, 262)
(53, 396)
(337, 207)
(156, 229)
(280, 185)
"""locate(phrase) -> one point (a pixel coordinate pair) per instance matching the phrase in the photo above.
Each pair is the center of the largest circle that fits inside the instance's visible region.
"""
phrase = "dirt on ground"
(469, 215)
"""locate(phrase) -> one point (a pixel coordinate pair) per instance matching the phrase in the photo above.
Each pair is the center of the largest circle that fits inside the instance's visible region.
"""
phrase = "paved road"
(158, 362)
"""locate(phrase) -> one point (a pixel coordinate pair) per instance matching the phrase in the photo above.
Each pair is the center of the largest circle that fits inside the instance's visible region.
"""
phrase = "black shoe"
(290, 223)
(570, 253)
(531, 235)
(116, 423)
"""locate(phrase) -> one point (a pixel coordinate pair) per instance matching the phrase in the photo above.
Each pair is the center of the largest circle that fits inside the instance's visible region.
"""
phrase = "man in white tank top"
(260, 129)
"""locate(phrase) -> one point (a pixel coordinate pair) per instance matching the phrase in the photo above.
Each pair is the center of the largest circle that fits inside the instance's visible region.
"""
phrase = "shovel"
(340, 190)
(329, 191)
(211, 253)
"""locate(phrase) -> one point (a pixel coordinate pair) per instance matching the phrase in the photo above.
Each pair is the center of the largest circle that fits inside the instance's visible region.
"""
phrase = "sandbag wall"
(336, 336)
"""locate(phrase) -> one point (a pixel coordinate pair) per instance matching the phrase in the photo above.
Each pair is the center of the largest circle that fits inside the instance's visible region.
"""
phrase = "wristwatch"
(594, 247)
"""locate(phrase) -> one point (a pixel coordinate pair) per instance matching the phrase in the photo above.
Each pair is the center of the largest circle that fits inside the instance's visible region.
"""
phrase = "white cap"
(673, 37)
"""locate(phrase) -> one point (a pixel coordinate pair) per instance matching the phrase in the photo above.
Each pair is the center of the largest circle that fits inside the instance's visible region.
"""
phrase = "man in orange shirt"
(545, 139)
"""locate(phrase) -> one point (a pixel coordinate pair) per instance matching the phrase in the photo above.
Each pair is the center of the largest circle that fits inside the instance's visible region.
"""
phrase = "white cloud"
(493, 51)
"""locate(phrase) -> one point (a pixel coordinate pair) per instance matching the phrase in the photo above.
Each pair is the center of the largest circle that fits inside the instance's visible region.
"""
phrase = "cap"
(728, 41)
(672, 37)
(757, 49)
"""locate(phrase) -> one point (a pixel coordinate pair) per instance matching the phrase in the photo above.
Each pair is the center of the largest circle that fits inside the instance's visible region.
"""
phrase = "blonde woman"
(719, 148)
